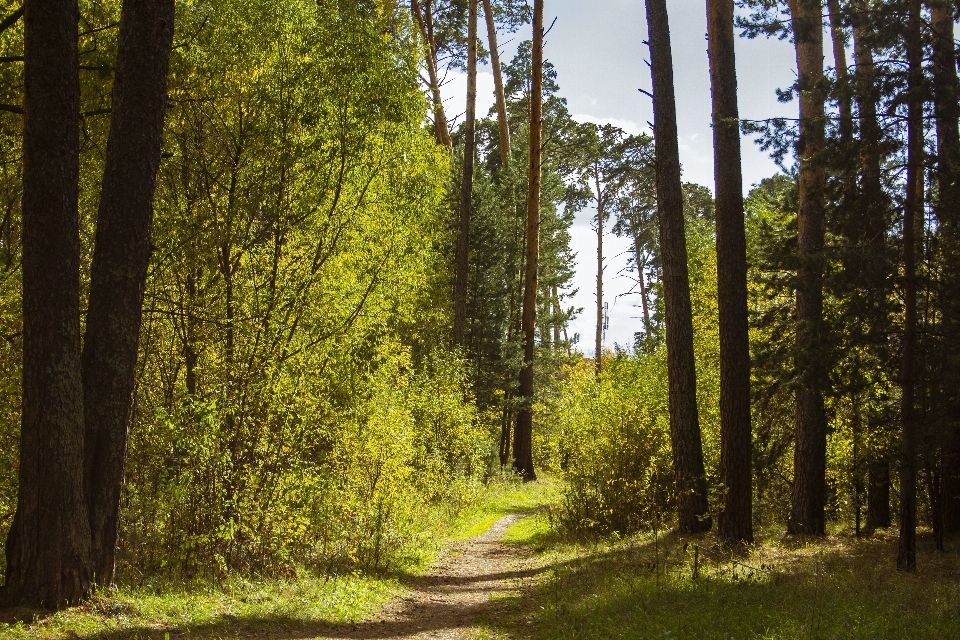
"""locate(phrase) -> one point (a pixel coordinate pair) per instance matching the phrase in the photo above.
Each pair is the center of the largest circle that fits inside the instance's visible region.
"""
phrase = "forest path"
(459, 594)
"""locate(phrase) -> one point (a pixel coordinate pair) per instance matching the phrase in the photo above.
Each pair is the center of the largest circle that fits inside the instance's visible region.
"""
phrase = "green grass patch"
(238, 608)
(840, 587)
(505, 495)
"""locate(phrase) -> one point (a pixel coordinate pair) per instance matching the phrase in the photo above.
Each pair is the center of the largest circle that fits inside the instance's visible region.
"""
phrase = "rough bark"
(809, 483)
(907, 547)
(48, 547)
(441, 128)
(871, 231)
(120, 260)
(878, 494)
(598, 352)
(947, 209)
(466, 186)
(681, 372)
(503, 126)
(523, 434)
(735, 522)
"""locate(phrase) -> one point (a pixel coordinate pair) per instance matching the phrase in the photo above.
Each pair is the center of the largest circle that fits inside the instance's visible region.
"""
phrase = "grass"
(239, 607)
(293, 608)
(780, 588)
(504, 496)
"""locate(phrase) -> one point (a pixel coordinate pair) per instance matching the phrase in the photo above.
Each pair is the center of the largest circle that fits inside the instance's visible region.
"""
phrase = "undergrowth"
(305, 604)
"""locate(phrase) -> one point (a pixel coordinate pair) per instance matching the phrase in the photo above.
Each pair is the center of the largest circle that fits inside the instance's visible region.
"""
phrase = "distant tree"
(681, 371)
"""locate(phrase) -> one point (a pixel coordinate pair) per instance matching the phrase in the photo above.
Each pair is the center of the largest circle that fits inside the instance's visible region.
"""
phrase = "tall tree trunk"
(809, 482)
(947, 208)
(503, 125)
(523, 434)
(48, 547)
(681, 370)
(598, 353)
(907, 548)
(441, 128)
(120, 260)
(845, 97)
(735, 523)
(871, 228)
(466, 191)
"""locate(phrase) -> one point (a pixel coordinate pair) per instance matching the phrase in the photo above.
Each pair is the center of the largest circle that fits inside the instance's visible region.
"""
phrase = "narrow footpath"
(467, 588)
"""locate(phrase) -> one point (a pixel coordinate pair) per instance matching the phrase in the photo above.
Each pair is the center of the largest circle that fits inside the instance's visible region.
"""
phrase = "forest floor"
(509, 575)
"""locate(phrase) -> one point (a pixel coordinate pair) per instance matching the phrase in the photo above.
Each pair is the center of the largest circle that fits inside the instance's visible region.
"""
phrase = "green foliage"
(609, 435)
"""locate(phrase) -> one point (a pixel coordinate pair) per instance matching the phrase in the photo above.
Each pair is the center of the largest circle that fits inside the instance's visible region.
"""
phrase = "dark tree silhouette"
(121, 256)
(735, 522)
(48, 547)
(523, 434)
(681, 369)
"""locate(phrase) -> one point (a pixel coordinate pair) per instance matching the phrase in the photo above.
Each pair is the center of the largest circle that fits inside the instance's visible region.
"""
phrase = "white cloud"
(629, 126)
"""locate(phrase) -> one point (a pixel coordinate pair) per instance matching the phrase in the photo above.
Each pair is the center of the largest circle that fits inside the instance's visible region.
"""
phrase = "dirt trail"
(453, 600)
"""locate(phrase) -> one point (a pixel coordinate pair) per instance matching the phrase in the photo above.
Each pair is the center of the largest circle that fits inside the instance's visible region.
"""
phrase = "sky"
(598, 51)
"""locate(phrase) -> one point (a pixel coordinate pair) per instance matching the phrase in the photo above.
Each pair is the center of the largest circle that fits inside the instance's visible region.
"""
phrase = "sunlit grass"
(505, 495)
(238, 607)
(780, 588)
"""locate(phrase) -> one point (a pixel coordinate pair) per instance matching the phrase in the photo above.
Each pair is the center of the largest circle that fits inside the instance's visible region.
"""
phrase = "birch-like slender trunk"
(599, 335)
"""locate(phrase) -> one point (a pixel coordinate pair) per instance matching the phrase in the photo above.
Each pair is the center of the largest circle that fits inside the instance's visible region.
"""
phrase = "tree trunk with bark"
(503, 126)
(48, 547)
(844, 93)
(907, 547)
(121, 256)
(441, 128)
(735, 523)
(681, 371)
(947, 209)
(810, 450)
(871, 229)
(466, 189)
(523, 434)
